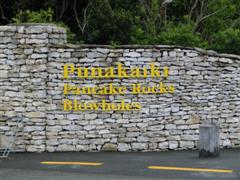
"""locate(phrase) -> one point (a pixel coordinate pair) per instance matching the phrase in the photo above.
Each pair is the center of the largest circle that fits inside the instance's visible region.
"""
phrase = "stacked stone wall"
(31, 63)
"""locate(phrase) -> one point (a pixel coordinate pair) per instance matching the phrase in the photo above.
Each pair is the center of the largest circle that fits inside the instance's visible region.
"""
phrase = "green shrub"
(139, 36)
(181, 34)
(227, 41)
(109, 24)
(41, 16)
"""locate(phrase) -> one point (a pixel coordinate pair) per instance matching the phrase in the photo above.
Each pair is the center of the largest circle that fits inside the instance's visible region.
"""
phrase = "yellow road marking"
(72, 163)
(189, 169)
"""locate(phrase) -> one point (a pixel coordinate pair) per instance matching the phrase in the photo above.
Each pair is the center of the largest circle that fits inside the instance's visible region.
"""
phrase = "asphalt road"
(120, 166)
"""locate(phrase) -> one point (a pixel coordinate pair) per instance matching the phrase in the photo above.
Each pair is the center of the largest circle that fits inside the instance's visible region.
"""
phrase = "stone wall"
(31, 63)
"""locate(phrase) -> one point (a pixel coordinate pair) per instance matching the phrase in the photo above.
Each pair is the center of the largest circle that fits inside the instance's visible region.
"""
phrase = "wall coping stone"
(162, 47)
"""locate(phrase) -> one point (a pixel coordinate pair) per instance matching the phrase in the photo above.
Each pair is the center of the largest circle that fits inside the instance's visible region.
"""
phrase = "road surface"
(120, 166)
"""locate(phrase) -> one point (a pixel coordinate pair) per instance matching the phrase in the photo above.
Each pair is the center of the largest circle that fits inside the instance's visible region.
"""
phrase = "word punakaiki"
(154, 71)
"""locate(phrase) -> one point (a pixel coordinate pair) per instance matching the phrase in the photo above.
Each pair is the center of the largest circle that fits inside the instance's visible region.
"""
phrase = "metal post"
(209, 140)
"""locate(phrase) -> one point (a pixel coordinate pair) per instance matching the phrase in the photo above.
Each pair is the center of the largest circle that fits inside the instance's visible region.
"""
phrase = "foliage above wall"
(210, 24)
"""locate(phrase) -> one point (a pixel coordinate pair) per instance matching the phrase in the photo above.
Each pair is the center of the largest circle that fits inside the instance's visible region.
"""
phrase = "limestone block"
(74, 116)
(226, 143)
(66, 147)
(53, 128)
(38, 29)
(123, 147)
(132, 54)
(39, 36)
(36, 41)
(50, 148)
(186, 144)
(174, 109)
(163, 145)
(38, 56)
(109, 147)
(97, 141)
(3, 74)
(90, 116)
(104, 131)
(155, 128)
(35, 148)
(35, 114)
(170, 126)
(139, 146)
(33, 128)
(142, 139)
(193, 120)
(103, 50)
(64, 122)
(41, 49)
(233, 120)
(173, 144)
(8, 28)
(82, 148)
(89, 127)
(5, 128)
(92, 55)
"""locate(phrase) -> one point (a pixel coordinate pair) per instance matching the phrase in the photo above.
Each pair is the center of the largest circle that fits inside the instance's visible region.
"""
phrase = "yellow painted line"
(190, 169)
(72, 163)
